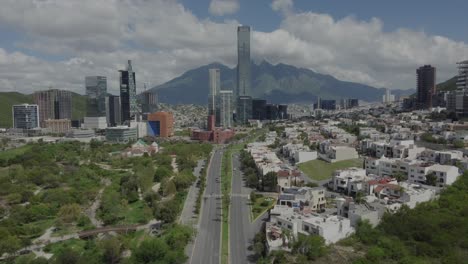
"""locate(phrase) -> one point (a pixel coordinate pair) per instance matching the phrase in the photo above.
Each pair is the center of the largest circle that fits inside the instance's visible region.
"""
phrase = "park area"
(319, 170)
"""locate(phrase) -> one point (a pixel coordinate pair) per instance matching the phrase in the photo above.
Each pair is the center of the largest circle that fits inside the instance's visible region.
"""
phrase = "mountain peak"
(280, 83)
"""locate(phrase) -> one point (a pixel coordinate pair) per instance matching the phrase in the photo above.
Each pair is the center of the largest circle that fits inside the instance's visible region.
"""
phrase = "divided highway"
(208, 241)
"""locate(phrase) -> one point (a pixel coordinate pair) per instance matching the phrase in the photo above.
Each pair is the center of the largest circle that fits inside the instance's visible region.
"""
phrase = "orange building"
(161, 124)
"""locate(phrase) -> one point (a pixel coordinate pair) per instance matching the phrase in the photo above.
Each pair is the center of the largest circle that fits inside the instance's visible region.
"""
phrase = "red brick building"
(213, 134)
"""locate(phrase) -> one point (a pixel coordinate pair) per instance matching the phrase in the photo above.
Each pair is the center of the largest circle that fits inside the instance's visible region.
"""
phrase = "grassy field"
(261, 205)
(321, 170)
(11, 153)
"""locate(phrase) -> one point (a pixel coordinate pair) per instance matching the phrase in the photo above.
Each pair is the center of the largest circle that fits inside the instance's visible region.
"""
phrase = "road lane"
(207, 244)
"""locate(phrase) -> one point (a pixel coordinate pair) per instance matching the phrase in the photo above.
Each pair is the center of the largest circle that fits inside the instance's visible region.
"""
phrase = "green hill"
(449, 85)
(8, 99)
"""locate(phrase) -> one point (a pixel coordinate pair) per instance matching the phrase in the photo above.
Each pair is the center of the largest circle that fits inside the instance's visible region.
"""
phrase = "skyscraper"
(96, 92)
(215, 83)
(128, 96)
(149, 102)
(225, 99)
(53, 104)
(259, 109)
(426, 82)
(113, 114)
(457, 101)
(243, 61)
(25, 116)
(244, 109)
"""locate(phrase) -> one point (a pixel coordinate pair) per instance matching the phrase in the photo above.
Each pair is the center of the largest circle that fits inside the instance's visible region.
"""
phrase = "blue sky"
(441, 17)
(380, 43)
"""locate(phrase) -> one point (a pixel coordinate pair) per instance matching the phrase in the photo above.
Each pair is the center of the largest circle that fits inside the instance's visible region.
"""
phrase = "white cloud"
(284, 6)
(164, 39)
(223, 7)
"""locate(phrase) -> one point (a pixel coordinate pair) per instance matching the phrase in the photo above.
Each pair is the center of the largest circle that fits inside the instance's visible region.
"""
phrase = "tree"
(311, 246)
(9, 244)
(431, 179)
(170, 188)
(69, 213)
(458, 143)
(151, 250)
(161, 173)
(112, 249)
(67, 256)
(270, 181)
(400, 176)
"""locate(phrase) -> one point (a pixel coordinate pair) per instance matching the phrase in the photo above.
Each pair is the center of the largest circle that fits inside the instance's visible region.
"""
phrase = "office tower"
(53, 104)
(128, 96)
(326, 104)
(243, 61)
(272, 112)
(388, 97)
(259, 109)
(225, 99)
(96, 92)
(25, 116)
(113, 114)
(161, 124)
(462, 79)
(149, 102)
(426, 86)
(282, 111)
(215, 83)
(244, 109)
(457, 101)
(353, 102)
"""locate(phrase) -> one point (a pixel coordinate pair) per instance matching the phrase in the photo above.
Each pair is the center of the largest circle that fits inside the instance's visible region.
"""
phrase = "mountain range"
(280, 83)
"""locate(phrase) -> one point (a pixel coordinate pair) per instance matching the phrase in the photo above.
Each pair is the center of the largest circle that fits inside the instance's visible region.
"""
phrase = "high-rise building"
(96, 92)
(388, 97)
(259, 109)
(244, 109)
(225, 99)
(353, 102)
(215, 83)
(25, 116)
(282, 111)
(149, 102)
(325, 104)
(243, 61)
(161, 124)
(457, 101)
(128, 95)
(272, 111)
(113, 114)
(426, 86)
(53, 104)
(462, 79)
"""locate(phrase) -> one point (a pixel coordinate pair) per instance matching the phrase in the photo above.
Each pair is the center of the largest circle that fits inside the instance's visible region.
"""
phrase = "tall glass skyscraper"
(225, 108)
(243, 61)
(215, 83)
(96, 92)
(128, 96)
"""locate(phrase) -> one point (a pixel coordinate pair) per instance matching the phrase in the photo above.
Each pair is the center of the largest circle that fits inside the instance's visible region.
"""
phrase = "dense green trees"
(311, 246)
(433, 232)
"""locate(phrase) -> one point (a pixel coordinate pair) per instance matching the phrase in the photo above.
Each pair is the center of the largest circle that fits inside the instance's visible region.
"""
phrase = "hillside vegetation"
(8, 99)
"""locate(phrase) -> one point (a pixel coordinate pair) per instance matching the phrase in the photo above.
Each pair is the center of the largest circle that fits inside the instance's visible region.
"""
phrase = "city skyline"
(361, 45)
